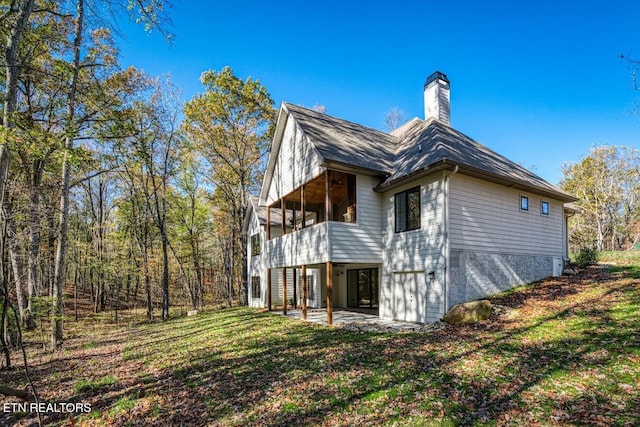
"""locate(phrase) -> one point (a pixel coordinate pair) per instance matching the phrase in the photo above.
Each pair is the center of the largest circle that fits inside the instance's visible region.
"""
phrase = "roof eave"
(419, 173)
(349, 168)
(517, 184)
(281, 124)
(447, 164)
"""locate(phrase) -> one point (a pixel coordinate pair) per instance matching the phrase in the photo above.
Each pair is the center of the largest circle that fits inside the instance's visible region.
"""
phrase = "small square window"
(544, 208)
(524, 203)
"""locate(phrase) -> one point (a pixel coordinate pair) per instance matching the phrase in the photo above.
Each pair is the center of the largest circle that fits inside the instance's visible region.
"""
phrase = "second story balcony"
(318, 222)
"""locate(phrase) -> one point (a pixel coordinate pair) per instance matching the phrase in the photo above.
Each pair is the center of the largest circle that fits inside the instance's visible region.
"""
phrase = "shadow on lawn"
(239, 367)
(314, 373)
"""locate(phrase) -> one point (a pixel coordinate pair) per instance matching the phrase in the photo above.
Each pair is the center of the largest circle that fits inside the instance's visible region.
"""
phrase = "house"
(408, 223)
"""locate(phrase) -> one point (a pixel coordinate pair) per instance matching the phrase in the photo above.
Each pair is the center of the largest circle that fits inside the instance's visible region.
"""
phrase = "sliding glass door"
(362, 288)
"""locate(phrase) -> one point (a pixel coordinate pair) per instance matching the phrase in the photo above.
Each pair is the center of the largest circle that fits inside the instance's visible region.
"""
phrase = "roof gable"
(345, 142)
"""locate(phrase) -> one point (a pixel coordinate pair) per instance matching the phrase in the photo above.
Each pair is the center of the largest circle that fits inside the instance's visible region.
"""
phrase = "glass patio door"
(362, 288)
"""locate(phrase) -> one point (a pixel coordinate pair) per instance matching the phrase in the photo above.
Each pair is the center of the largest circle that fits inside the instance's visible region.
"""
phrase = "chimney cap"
(435, 76)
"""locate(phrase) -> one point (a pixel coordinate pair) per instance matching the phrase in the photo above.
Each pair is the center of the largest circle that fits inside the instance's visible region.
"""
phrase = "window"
(255, 287)
(255, 244)
(343, 197)
(407, 209)
(311, 294)
(544, 208)
(524, 203)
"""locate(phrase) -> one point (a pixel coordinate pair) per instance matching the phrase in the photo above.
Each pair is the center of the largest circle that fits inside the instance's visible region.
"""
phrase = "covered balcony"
(329, 197)
(300, 224)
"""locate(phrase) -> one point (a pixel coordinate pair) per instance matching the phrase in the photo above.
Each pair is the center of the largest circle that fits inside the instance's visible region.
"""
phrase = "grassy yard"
(566, 351)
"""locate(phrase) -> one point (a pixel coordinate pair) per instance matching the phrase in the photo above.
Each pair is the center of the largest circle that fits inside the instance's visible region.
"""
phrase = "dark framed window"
(311, 288)
(407, 209)
(544, 208)
(524, 203)
(255, 287)
(256, 243)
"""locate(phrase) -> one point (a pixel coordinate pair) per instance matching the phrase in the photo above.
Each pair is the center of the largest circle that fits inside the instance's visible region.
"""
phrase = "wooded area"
(607, 184)
(110, 186)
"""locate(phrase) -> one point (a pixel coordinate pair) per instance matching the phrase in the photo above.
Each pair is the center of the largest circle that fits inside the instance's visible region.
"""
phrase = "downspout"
(445, 179)
(565, 225)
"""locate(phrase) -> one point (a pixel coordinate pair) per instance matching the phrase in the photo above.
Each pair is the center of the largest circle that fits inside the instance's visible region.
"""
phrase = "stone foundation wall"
(475, 275)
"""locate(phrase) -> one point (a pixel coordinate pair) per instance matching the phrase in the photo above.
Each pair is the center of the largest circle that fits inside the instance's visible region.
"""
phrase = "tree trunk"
(33, 257)
(61, 250)
(197, 288)
(12, 72)
(4, 317)
(8, 391)
(165, 274)
(147, 283)
(16, 267)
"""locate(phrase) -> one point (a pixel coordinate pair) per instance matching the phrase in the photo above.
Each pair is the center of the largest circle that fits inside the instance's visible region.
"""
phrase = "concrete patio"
(361, 321)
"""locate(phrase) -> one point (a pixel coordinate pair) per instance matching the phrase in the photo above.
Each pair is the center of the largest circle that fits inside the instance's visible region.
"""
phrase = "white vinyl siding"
(306, 246)
(297, 163)
(410, 256)
(362, 241)
(487, 217)
(276, 285)
(256, 264)
(421, 248)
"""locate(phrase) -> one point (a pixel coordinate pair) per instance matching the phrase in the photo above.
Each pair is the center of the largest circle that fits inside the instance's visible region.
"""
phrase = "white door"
(409, 302)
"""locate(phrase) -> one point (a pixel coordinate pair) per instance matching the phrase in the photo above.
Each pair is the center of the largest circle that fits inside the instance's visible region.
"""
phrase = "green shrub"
(586, 256)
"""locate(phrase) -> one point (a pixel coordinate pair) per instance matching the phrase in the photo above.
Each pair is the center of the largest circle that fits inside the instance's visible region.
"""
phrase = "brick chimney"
(437, 99)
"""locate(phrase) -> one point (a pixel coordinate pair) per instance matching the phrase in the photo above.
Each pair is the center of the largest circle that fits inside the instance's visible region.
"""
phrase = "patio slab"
(362, 322)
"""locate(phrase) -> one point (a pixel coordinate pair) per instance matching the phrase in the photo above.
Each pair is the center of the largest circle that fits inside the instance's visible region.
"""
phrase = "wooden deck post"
(284, 216)
(269, 288)
(329, 293)
(304, 291)
(295, 288)
(329, 217)
(303, 210)
(268, 222)
(328, 208)
(284, 290)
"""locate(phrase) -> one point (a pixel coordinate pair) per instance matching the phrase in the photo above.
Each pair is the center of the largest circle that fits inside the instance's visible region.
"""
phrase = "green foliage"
(84, 386)
(621, 258)
(607, 183)
(586, 256)
(124, 404)
(231, 125)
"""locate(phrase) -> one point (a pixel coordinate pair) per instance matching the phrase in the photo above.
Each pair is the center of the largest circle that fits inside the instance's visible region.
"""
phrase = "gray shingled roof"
(341, 141)
(261, 212)
(419, 147)
(431, 142)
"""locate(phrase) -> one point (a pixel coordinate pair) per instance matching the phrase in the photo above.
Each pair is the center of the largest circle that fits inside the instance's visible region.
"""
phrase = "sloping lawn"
(565, 351)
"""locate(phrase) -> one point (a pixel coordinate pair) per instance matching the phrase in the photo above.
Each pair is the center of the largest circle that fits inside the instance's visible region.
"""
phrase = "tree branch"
(93, 175)
(8, 391)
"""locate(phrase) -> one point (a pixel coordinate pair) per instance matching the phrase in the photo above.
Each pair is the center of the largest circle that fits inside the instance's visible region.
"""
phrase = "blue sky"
(539, 82)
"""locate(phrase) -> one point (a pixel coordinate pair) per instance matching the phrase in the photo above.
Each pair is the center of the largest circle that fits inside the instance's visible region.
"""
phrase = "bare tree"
(393, 119)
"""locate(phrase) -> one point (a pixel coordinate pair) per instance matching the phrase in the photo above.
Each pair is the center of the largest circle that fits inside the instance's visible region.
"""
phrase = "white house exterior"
(408, 223)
